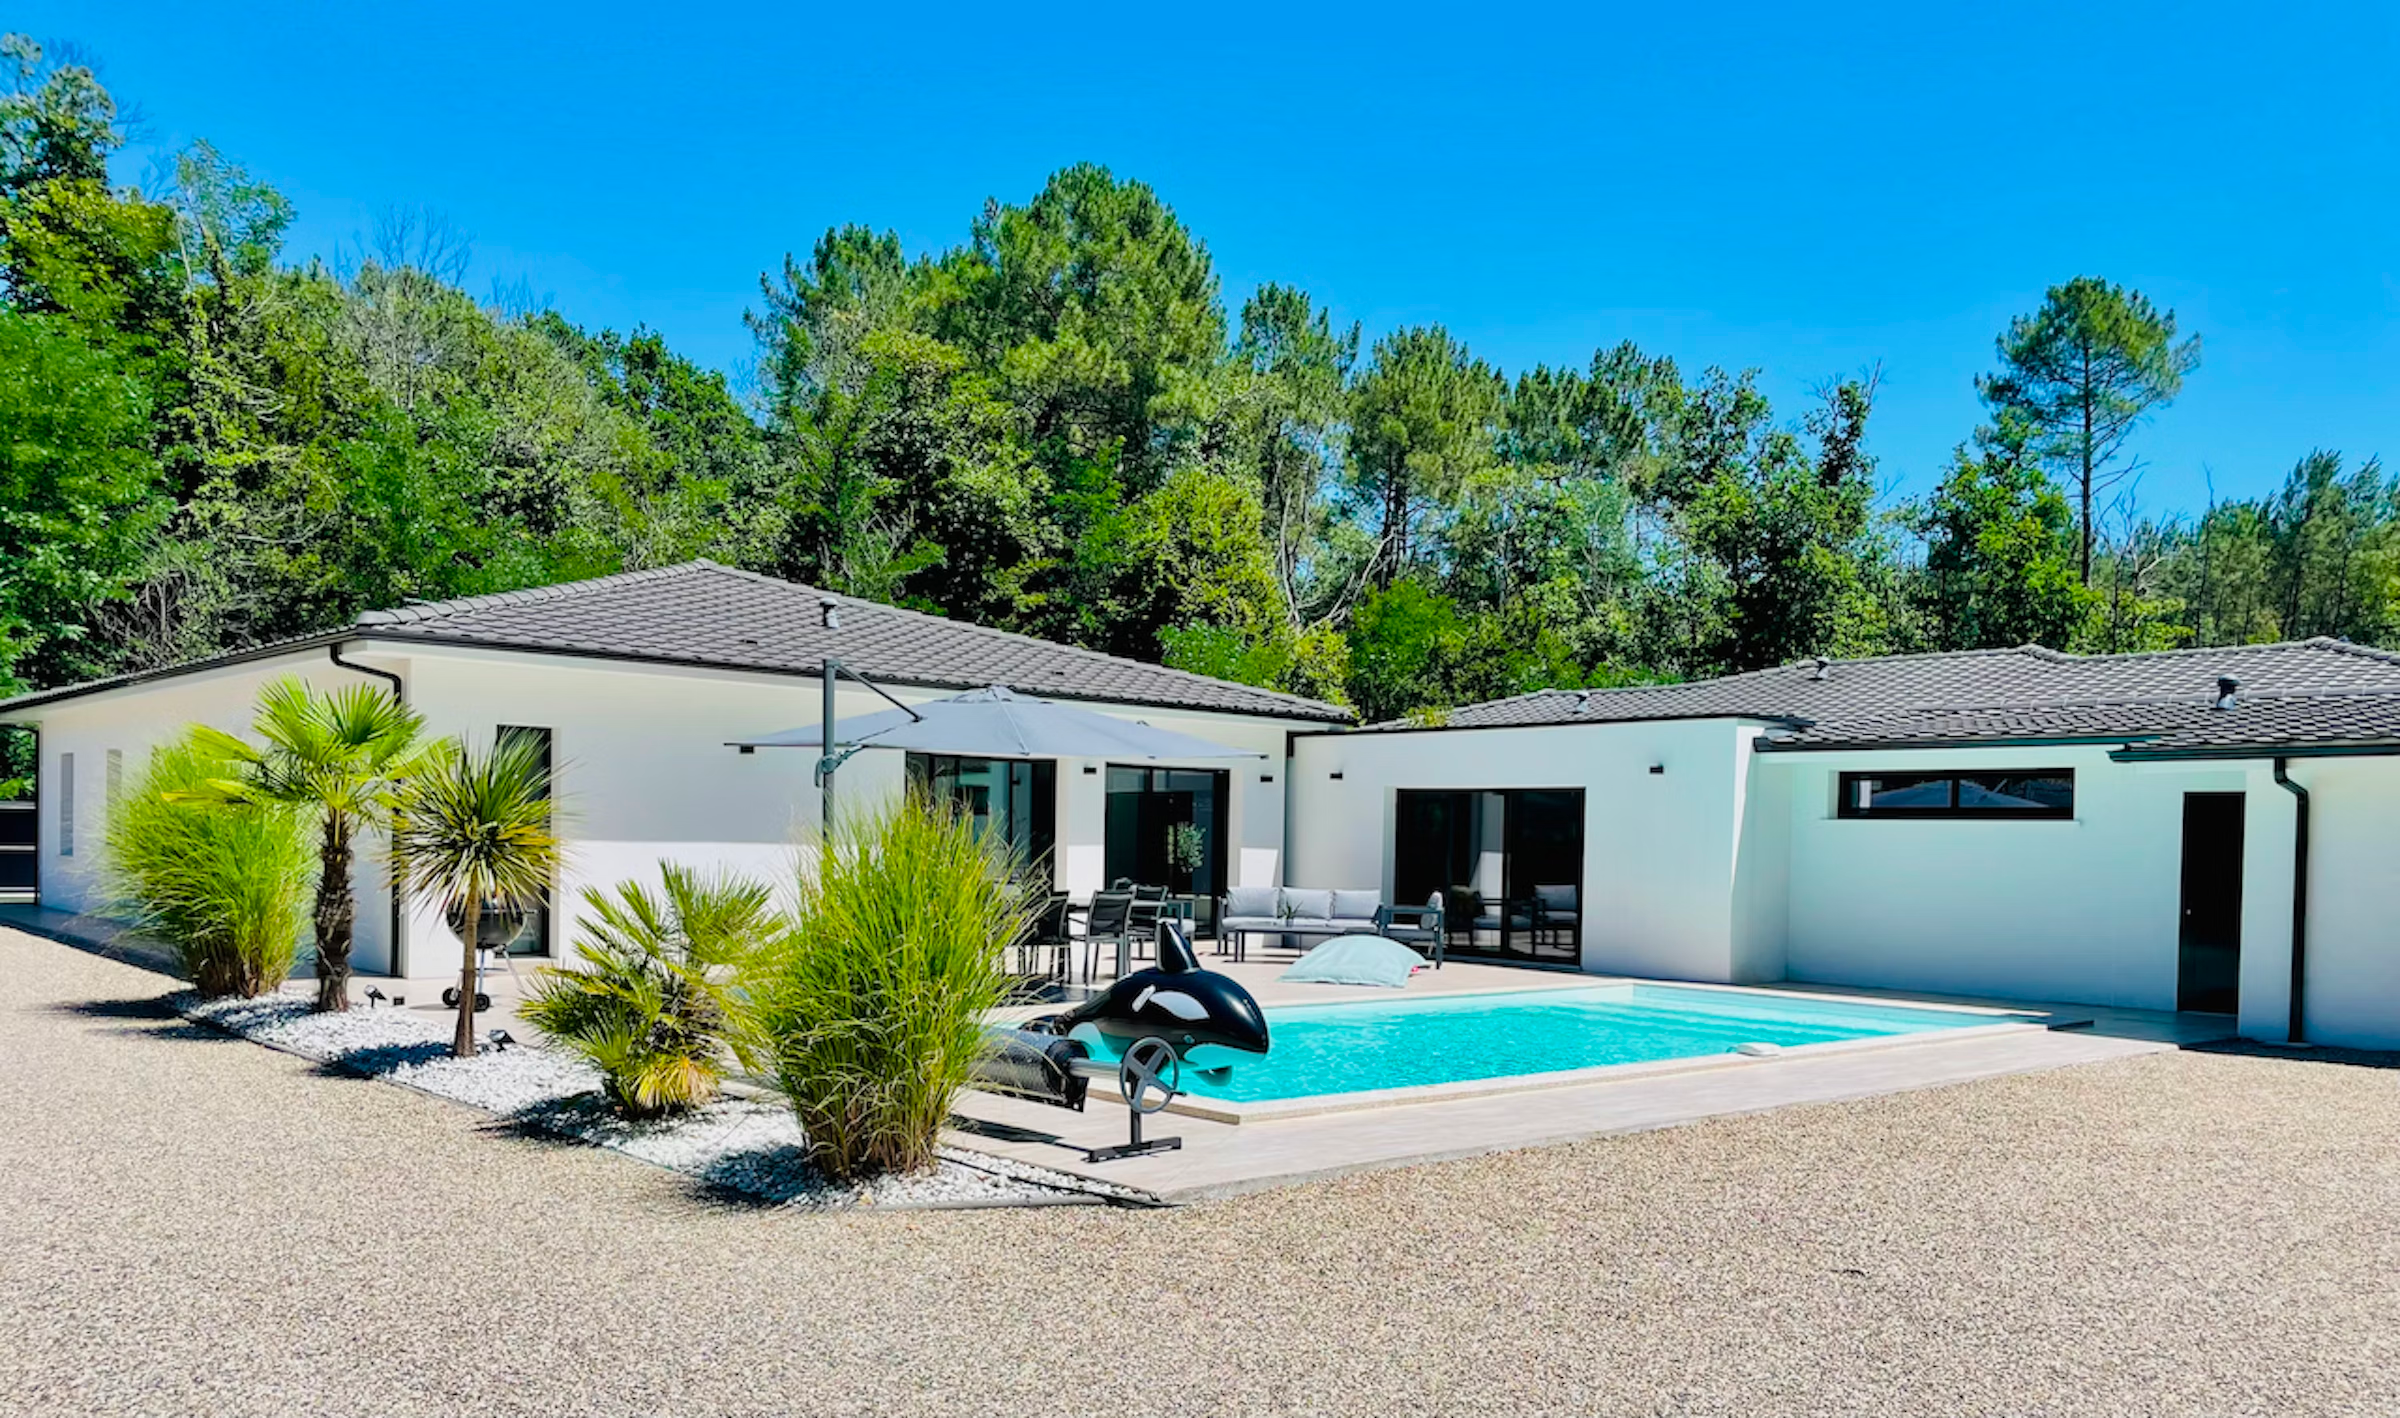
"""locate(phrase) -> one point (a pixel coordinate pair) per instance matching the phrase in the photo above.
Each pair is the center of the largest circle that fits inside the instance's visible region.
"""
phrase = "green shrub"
(226, 884)
(869, 1009)
(652, 1002)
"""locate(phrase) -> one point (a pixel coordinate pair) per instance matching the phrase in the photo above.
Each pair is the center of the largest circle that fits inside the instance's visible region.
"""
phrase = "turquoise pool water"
(1350, 1048)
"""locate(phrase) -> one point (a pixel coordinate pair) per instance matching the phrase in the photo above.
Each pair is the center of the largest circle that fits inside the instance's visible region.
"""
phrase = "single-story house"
(638, 683)
(2207, 829)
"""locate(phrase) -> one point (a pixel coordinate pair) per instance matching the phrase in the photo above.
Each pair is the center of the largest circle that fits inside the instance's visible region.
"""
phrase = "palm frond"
(477, 825)
(652, 1000)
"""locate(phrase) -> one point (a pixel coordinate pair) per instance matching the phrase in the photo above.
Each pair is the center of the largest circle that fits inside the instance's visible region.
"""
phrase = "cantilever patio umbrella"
(990, 723)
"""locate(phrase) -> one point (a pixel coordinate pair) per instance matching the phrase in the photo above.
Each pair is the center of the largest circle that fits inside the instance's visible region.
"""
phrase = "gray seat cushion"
(1305, 904)
(1356, 905)
(1253, 902)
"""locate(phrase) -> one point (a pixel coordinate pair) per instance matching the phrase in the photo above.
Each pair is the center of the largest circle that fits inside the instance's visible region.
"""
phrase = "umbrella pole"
(827, 673)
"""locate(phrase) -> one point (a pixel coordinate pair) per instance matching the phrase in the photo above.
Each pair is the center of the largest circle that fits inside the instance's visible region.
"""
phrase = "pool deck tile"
(1224, 1159)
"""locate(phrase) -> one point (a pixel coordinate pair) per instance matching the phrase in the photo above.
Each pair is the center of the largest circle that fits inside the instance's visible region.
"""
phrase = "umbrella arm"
(832, 762)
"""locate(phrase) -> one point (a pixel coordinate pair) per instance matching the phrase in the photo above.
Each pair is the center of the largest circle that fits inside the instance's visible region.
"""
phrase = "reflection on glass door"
(1166, 827)
(1508, 863)
(1015, 797)
(532, 938)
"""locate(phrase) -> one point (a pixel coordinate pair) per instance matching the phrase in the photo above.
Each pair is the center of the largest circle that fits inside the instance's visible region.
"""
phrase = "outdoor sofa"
(1321, 913)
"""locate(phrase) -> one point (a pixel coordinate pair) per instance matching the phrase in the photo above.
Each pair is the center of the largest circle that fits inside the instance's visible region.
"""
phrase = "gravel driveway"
(194, 1224)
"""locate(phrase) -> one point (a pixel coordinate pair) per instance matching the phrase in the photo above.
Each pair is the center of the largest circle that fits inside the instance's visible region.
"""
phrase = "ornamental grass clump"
(226, 884)
(340, 756)
(653, 1000)
(870, 1007)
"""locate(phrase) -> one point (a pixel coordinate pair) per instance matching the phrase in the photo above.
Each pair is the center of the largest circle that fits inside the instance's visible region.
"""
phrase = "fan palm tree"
(341, 757)
(655, 999)
(473, 831)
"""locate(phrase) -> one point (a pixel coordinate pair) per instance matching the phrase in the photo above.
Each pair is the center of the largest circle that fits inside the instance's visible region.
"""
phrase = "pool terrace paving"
(1227, 1151)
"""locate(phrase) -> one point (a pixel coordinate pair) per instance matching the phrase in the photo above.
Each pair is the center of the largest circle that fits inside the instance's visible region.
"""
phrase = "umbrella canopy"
(994, 723)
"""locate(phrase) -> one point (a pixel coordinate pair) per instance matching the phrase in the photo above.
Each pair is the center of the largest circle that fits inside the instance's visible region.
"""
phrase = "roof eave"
(390, 634)
(1380, 730)
(2011, 741)
(2326, 748)
(40, 697)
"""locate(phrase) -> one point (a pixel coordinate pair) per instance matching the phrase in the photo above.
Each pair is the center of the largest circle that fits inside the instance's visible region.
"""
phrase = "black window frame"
(536, 938)
(1040, 855)
(1846, 803)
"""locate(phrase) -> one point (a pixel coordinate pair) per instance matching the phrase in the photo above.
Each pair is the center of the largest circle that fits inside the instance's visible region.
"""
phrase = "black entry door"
(2210, 970)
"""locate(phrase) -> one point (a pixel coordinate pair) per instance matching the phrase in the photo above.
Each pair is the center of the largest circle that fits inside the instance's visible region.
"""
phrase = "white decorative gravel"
(745, 1146)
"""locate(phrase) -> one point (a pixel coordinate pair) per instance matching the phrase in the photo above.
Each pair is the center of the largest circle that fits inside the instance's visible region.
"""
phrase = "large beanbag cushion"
(1356, 960)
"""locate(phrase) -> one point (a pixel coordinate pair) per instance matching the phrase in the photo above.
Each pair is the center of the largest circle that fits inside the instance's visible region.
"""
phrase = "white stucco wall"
(642, 770)
(2353, 954)
(1659, 870)
(2085, 909)
(643, 773)
(1733, 865)
(134, 720)
(1762, 865)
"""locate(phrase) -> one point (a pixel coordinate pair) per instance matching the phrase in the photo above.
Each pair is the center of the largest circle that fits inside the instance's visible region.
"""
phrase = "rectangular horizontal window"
(2024, 792)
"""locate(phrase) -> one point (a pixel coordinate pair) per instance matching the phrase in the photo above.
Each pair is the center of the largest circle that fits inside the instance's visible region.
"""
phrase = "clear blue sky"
(1801, 189)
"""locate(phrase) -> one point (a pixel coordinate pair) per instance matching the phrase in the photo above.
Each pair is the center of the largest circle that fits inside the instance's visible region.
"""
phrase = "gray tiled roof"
(2354, 722)
(2321, 691)
(701, 613)
(704, 613)
(2104, 723)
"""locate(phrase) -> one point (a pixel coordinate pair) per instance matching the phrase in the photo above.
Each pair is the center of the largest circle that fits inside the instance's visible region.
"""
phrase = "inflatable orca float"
(1209, 1020)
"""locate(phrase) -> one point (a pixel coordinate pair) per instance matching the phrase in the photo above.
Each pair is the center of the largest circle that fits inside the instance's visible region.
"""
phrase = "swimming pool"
(1351, 1048)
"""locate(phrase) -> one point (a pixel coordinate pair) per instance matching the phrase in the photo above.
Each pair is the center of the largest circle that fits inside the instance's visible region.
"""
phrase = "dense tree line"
(1057, 426)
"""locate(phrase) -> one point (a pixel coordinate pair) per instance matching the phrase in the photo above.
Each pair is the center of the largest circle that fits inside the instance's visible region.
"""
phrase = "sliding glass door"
(1015, 797)
(1508, 862)
(1166, 827)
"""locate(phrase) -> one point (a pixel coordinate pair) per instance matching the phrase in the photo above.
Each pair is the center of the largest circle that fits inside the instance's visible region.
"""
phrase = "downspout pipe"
(2299, 898)
(399, 958)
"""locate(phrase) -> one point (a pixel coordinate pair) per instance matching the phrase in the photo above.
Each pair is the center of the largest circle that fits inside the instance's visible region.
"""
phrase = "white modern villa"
(2208, 830)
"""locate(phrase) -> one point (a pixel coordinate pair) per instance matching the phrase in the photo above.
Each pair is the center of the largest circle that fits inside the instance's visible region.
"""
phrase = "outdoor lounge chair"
(1556, 914)
(1421, 926)
(1489, 916)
